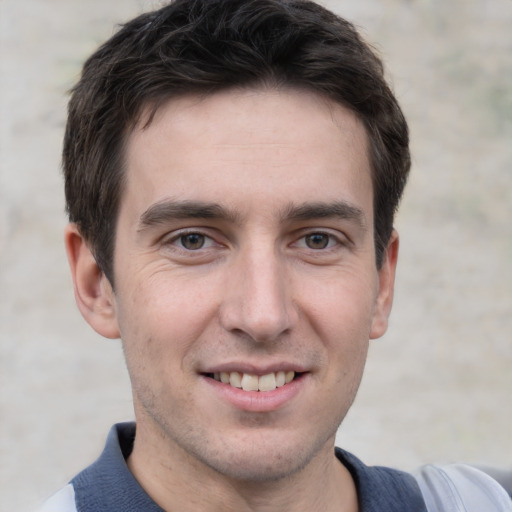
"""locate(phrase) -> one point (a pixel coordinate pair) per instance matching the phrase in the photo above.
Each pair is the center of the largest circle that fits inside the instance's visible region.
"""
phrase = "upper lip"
(254, 368)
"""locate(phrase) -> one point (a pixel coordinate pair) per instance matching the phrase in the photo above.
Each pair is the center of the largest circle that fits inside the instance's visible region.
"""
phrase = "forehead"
(252, 145)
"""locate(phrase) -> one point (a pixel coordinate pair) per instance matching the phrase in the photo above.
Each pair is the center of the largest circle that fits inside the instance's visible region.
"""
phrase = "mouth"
(252, 382)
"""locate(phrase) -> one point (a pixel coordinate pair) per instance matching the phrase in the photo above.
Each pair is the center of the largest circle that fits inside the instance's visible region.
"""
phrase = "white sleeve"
(61, 501)
(461, 488)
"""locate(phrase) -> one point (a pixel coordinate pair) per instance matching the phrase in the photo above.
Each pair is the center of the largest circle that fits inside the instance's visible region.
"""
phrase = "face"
(246, 288)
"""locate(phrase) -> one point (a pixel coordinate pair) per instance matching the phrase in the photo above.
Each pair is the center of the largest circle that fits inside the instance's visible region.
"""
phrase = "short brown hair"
(203, 46)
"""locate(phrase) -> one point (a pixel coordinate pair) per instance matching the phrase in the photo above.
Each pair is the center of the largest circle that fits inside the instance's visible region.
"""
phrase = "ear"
(386, 288)
(93, 292)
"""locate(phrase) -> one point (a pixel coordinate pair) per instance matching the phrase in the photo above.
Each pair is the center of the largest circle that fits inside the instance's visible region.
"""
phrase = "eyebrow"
(320, 210)
(169, 209)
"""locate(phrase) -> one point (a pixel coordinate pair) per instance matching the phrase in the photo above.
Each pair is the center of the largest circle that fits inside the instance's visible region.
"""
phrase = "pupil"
(317, 241)
(192, 241)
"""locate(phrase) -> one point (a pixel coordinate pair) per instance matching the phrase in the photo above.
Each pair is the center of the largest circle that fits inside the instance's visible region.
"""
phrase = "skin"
(244, 242)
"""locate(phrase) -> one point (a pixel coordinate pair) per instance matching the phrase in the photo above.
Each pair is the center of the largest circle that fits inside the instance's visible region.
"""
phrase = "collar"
(109, 485)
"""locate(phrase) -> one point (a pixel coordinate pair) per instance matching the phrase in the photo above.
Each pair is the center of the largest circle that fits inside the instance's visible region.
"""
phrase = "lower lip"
(258, 401)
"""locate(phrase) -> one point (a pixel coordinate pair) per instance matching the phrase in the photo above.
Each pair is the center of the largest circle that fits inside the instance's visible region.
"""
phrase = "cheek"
(342, 308)
(161, 318)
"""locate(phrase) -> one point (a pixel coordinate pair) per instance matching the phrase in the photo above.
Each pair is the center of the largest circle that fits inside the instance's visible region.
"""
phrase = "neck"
(175, 482)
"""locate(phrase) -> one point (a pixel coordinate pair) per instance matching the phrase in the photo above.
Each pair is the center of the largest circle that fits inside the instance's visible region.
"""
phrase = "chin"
(263, 460)
(257, 469)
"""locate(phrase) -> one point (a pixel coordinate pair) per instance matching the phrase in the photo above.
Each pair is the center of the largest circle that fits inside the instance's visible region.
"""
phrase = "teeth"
(280, 379)
(267, 382)
(250, 382)
(235, 379)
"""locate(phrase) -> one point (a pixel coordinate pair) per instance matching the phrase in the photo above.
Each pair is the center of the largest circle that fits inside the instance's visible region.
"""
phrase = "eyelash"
(178, 238)
(301, 242)
(332, 241)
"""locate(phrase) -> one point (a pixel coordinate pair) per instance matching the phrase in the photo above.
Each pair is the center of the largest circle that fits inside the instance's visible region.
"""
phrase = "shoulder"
(98, 485)
(459, 487)
(61, 501)
(382, 489)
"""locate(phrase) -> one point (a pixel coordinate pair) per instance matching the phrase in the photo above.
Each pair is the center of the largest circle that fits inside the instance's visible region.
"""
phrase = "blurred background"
(437, 387)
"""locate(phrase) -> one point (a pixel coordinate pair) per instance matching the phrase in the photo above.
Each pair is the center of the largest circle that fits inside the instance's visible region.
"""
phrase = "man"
(232, 171)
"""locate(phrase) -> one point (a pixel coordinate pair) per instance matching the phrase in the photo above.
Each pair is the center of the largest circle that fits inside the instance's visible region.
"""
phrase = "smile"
(251, 382)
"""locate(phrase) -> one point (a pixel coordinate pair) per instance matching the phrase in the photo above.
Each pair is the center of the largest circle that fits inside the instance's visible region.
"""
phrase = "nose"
(258, 300)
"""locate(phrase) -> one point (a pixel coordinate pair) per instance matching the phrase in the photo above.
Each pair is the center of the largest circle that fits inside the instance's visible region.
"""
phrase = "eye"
(317, 241)
(192, 241)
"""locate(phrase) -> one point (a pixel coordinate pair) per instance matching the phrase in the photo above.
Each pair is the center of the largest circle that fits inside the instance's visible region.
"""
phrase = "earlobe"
(386, 288)
(93, 293)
